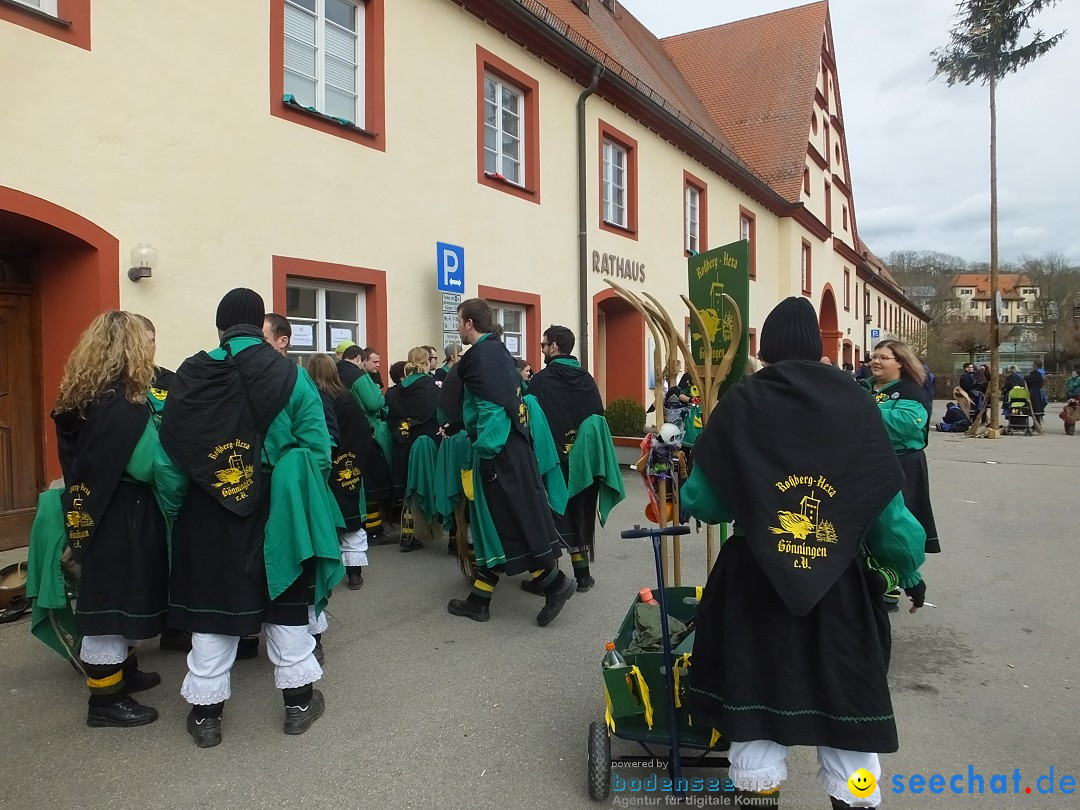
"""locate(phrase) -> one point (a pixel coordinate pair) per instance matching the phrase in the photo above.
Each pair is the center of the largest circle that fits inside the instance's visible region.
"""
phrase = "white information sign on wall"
(338, 335)
(512, 344)
(303, 335)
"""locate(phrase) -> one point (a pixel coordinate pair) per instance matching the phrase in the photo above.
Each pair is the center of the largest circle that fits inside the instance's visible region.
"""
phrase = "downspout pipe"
(583, 222)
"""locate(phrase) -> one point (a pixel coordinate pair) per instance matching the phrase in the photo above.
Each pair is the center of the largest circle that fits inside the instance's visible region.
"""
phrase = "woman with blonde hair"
(115, 532)
(896, 382)
(350, 436)
(410, 409)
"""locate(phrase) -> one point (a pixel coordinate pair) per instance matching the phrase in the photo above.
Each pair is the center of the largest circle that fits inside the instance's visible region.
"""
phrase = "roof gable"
(1010, 284)
(756, 79)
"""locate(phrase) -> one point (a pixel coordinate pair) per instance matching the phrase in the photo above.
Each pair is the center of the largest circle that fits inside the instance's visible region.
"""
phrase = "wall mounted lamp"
(143, 261)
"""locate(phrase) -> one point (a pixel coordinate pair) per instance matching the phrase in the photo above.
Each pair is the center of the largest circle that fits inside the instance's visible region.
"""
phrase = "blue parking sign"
(875, 334)
(450, 260)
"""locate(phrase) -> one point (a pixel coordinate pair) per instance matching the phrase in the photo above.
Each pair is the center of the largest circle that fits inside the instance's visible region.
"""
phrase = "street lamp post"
(1054, 333)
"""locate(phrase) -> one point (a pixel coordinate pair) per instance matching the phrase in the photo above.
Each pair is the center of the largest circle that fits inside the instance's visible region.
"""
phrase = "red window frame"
(610, 133)
(806, 267)
(747, 214)
(71, 23)
(703, 211)
(373, 133)
(487, 62)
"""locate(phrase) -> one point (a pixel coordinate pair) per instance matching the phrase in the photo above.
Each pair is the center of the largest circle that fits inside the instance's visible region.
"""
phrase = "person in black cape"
(410, 413)
(568, 395)
(107, 441)
(231, 416)
(510, 519)
(792, 641)
(378, 483)
(350, 436)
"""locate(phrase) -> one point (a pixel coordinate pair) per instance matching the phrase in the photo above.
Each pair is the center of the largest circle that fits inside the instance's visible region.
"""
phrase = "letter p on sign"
(450, 260)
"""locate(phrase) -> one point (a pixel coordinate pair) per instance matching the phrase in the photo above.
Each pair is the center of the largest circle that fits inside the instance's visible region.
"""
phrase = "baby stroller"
(1018, 410)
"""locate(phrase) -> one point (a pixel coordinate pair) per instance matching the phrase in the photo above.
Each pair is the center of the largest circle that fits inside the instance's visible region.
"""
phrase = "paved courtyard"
(426, 710)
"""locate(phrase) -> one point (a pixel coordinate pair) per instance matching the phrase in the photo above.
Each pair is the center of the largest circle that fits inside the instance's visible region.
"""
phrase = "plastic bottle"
(612, 658)
(647, 598)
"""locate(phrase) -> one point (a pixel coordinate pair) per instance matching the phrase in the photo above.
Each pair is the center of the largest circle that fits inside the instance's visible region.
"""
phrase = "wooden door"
(20, 455)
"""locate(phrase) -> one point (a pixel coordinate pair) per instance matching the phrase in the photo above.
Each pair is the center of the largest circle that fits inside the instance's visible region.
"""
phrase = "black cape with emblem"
(410, 413)
(347, 472)
(514, 492)
(792, 638)
(378, 483)
(115, 529)
(568, 395)
(215, 419)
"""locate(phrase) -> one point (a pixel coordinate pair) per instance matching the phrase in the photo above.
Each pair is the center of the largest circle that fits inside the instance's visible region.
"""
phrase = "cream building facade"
(186, 126)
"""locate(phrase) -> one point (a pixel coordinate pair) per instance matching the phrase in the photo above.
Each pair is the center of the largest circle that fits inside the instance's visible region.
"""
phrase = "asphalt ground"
(429, 710)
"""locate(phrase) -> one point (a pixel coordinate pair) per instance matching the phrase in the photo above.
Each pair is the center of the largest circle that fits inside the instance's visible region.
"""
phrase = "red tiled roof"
(757, 79)
(1008, 283)
(623, 38)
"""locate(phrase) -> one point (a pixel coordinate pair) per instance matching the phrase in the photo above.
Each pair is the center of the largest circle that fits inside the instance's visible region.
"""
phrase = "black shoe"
(533, 587)
(205, 730)
(320, 656)
(412, 544)
(298, 719)
(377, 538)
(585, 583)
(463, 607)
(247, 648)
(178, 640)
(139, 681)
(120, 711)
(356, 577)
(555, 602)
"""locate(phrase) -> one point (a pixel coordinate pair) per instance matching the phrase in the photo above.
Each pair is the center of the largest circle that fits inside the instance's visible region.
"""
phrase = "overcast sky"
(919, 150)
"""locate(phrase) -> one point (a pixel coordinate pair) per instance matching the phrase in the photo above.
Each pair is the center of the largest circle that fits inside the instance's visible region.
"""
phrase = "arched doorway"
(57, 272)
(849, 356)
(828, 324)
(619, 348)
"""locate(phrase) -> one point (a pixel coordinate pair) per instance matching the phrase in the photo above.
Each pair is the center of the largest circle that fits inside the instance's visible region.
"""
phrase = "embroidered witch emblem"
(806, 527)
(236, 478)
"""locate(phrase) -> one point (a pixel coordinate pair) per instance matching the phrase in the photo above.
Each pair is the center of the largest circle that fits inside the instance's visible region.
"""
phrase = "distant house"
(970, 299)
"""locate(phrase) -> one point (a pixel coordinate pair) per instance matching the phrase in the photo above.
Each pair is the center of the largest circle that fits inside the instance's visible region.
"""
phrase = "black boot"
(530, 585)
(356, 577)
(473, 610)
(248, 647)
(135, 680)
(178, 640)
(555, 601)
(300, 715)
(118, 711)
(839, 805)
(204, 725)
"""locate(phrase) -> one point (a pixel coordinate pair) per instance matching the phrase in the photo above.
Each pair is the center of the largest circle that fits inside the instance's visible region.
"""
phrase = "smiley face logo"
(862, 783)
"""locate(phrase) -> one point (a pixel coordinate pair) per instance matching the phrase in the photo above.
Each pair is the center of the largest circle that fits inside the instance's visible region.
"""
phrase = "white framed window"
(323, 315)
(512, 320)
(504, 129)
(324, 44)
(47, 6)
(615, 184)
(693, 219)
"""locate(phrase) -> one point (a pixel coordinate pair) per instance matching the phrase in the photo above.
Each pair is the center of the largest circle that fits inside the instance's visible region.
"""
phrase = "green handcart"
(645, 700)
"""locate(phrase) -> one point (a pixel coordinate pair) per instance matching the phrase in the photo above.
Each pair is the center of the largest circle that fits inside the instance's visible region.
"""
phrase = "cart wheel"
(599, 762)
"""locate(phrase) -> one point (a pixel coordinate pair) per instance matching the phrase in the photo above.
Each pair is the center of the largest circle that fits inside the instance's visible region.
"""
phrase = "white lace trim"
(317, 624)
(206, 691)
(297, 675)
(103, 650)
(354, 558)
(838, 789)
(758, 781)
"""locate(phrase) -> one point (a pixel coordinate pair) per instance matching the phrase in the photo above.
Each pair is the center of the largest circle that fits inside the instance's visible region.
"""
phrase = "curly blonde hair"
(114, 349)
(417, 362)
